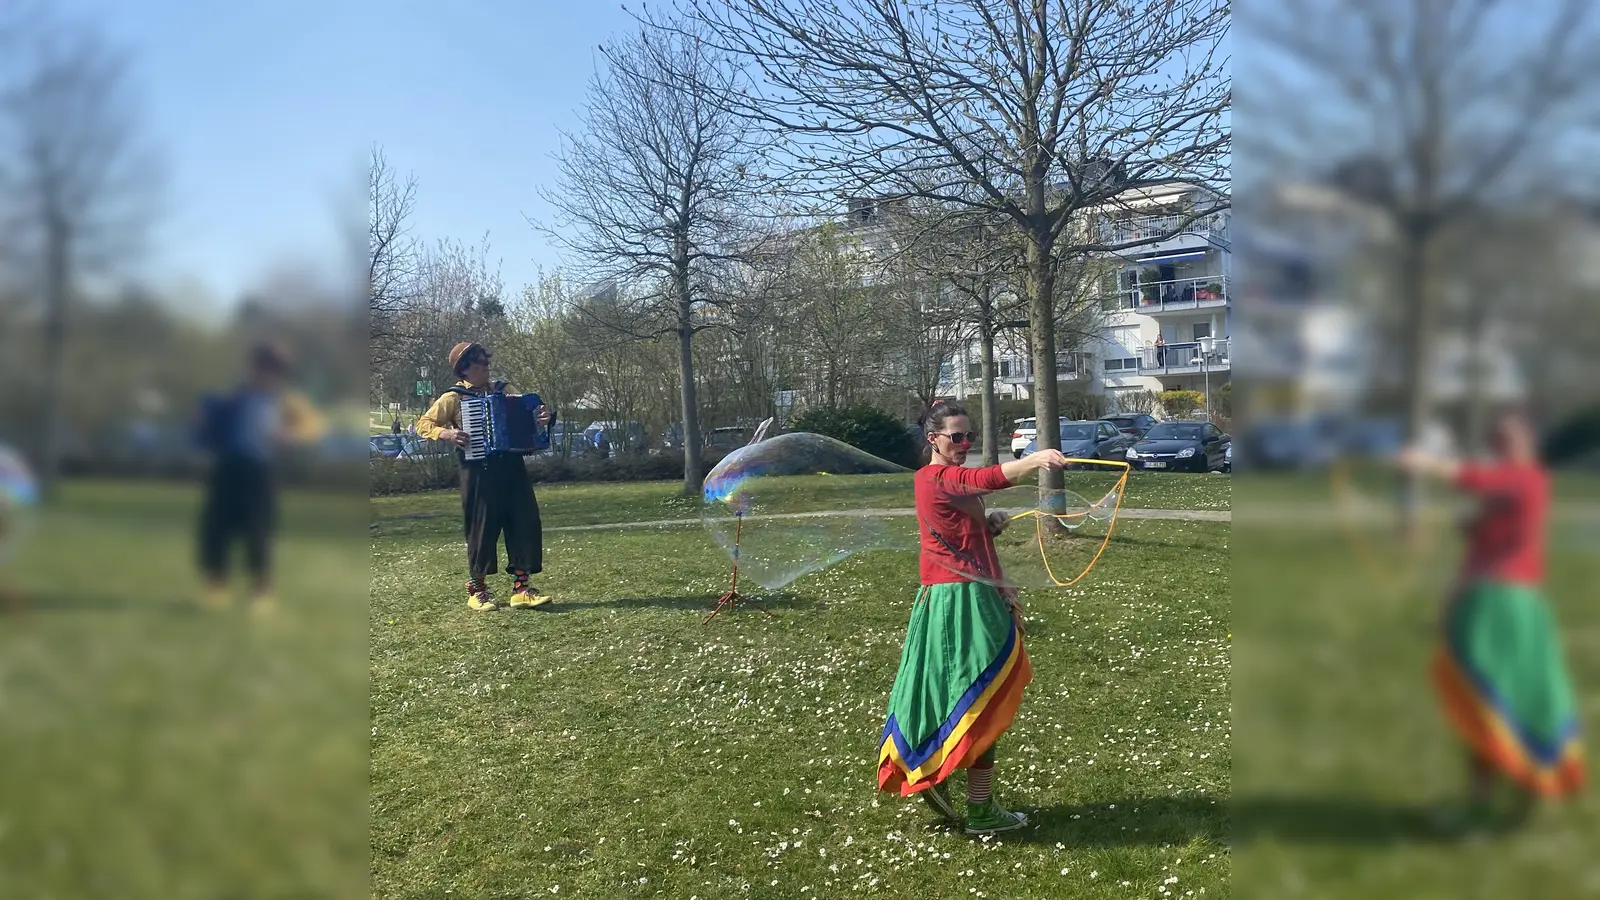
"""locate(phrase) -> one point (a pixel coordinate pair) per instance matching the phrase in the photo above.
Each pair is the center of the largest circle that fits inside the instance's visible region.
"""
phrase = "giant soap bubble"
(1049, 538)
(794, 504)
(19, 493)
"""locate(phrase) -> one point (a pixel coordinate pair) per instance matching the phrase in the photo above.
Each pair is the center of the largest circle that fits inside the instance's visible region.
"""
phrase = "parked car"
(387, 446)
(727, 440)
(1227, 459)
(420, 448)
(1022, 434)
(611, 438)
(1090, 439)
(1133, 425)
(1180, 447)
(1293, 444)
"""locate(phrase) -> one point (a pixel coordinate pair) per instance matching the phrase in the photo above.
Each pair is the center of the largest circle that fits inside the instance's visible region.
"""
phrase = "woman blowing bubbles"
(1499, 669)
(963, 667)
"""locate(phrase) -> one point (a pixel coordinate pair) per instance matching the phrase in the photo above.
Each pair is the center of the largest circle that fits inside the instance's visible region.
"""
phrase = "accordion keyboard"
(475, 422)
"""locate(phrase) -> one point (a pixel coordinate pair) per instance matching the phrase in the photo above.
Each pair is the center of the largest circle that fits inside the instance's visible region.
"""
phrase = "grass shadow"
(1342, 821)
(1126, 822)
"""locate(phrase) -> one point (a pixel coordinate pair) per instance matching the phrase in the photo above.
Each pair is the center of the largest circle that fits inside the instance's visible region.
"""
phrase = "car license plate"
(1155, 464)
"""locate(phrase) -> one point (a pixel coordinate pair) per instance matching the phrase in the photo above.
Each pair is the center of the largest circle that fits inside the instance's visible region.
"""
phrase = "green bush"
(1573, 439)
(1080, 405)
(1222, 400)
(404, 476)
(1072, 404)
(865, 428)
(1145, 403)
(1181, 404)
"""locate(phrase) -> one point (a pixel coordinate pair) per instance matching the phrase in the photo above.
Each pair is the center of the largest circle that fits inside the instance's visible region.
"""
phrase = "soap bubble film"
(18, 495)
(755, 499)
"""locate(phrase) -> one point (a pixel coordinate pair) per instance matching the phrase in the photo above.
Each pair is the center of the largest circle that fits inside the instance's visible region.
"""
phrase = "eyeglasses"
(968, 437)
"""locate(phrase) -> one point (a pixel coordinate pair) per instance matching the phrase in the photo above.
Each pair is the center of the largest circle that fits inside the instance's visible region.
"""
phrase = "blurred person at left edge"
(243, 430)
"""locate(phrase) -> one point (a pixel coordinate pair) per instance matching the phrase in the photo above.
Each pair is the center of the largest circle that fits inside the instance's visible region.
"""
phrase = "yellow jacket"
(444, 413)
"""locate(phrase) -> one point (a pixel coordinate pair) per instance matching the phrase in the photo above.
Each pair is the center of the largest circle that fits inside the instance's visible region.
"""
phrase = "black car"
(1133, 425)
(1089, 440)
(1181, 447)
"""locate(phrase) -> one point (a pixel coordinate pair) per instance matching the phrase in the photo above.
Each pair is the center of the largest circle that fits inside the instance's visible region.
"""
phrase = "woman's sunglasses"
(968, 437)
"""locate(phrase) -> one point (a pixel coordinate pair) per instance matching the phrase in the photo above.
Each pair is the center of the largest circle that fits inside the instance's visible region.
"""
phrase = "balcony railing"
(1155, 228)
(1180, 359)
(1178, 295)
(1070, 366)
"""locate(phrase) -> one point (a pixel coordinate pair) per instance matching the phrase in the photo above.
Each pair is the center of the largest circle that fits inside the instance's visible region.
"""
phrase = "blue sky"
(264, 114)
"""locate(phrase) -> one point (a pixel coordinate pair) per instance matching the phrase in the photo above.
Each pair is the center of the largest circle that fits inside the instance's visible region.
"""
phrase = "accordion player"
(498, 422)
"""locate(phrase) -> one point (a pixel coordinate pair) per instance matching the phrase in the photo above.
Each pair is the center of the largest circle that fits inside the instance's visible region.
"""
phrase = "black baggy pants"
(496, 497)
(241, 504)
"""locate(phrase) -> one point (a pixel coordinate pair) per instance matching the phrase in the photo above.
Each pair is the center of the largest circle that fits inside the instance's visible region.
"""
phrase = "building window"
(1124, 364)
(1005, 368)
(974, 371)
(947, 373)
(1202, 330)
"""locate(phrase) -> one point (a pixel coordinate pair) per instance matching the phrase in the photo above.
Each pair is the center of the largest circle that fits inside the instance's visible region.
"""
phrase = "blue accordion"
(498, 422)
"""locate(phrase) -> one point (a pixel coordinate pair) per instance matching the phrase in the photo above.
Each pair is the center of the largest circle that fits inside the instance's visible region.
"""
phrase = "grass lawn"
(598, 503)
(147, 751)
(614, 747)
(1342, 757)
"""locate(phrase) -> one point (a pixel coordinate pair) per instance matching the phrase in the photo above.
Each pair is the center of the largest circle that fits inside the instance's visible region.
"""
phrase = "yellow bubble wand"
(1345, 498)
(1042, 519)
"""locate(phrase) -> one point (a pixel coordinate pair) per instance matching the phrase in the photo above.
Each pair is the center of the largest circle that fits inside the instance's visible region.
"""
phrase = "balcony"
(1187, 358)
(1180, 295)
(1071, 365)
(1163, 229)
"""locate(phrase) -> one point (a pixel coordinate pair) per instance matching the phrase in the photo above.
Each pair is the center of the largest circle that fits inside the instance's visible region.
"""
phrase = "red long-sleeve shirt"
(953, 525)
(1507, 542)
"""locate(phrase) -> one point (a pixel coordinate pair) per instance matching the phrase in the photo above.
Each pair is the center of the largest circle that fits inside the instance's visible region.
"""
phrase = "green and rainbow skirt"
(962, 672)
(1503, 683)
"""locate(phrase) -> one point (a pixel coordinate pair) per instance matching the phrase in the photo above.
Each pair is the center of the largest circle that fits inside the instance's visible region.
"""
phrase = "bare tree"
(976, 268)
(652, 191)
(1036, 111)
(394, 257)
(1432, 110)
(836, 306)
(76, 185)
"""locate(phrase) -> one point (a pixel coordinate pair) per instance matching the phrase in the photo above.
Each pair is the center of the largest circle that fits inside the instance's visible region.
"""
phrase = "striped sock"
(979, 782)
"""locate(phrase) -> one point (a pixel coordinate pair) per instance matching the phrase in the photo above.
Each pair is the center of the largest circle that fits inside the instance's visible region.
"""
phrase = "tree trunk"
(991, 426)
(56, 291)
(1418, 302)
(1040, 287)
(686, 391)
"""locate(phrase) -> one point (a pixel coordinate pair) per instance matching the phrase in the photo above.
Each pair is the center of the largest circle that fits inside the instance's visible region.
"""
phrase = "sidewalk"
(1179, 515)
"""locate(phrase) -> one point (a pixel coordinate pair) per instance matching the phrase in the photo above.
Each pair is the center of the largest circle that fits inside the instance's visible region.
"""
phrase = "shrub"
(1181, 404)
(1080, 405)
(1574, 439)
(1222, 400)
(865, 428)
(1072, 404)
(1144, 403)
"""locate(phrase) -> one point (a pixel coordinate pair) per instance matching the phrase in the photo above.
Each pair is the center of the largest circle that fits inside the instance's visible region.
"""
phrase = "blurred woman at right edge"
(1499, 670)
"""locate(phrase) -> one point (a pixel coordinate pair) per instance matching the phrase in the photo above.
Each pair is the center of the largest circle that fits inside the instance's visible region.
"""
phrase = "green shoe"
(991, 818)
(938, 799)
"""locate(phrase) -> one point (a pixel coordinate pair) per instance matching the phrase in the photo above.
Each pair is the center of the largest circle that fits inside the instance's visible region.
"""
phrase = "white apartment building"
(1165, 307)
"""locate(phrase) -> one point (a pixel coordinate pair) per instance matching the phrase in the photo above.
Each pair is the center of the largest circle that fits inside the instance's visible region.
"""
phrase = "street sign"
(424, 388)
